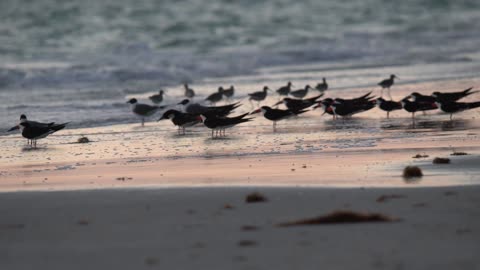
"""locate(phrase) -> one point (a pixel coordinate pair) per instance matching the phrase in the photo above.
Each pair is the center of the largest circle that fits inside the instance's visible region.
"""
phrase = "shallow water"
(79, 61)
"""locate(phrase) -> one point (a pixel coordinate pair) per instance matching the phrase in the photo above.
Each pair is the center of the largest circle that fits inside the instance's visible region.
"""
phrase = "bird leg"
(143, 121)
(274, 126)
(389, 95)
(388, 115)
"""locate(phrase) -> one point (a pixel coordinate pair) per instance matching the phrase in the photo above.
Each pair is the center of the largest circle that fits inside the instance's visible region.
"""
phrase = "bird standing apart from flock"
(387, 83)
(33, 131)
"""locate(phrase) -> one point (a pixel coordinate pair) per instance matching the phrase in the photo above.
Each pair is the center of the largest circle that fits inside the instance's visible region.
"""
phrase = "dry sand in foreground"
(213, 228)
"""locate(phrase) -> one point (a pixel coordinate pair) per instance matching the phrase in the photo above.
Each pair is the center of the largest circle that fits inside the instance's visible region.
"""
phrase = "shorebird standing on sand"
(275, 115)
(143, 110)
(23, 119)
(388, 105)
(34, 132)
(180, 119)
(284, 90)
(195, 108)
(229, 92)
(158, 98)
(219, 124)
(215, 97)
(258, 96)
(452, 107)
(323, 86)
(453, 96)
(387, 83)
(301, 93)
(189, 93)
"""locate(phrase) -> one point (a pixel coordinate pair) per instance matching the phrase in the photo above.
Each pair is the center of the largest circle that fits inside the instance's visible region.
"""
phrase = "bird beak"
(256, 111)
(280, 102)
(329, 109)
(14, 128)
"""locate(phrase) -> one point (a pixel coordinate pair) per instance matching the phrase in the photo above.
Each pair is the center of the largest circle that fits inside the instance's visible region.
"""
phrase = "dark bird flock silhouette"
(218, 119)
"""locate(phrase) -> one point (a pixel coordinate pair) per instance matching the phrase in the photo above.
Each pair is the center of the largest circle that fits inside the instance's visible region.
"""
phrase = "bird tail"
(474, 105)
(469, 91)
(300, 112)
(59, 127)
(241, 116)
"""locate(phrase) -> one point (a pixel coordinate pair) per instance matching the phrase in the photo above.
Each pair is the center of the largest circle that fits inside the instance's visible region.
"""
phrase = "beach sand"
(214, 228)
(142, 198)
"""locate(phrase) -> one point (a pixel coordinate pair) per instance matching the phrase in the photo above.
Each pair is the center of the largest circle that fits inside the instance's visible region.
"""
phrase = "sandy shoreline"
(187, 228)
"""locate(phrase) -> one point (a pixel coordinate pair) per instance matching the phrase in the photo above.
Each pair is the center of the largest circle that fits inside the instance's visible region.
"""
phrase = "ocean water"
(78, 61)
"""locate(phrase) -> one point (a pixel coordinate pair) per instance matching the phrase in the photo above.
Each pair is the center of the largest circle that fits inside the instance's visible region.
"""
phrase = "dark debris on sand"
(340, 217)
(246, 243)
(83, 140)
(439, 160)
(420, 156)
(412, 171)
(255, 197)
(247, 228)
(458, 154)
(385, 198)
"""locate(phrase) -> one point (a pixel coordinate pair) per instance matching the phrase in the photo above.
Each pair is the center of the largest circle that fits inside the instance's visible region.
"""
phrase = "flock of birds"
(217, 118)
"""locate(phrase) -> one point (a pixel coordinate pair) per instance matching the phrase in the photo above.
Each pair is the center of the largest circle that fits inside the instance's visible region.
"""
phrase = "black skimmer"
(259, 95)
(180, 119)
(296, 105)
(325, 105)
(219, 111)
(357, 102)
(301, 93)
(276, 114)
(323, 86)
(347, 109)
(229, 92)
(388, 105)
(452, 107)
(413, 107)
(417, 97)
(34, 132)
(189, 93)
(215, 97)
(453, 96)
(387, 83)
(158, 98)
(143, 110)
(23, 119)
(219, 124)
(284, 90)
